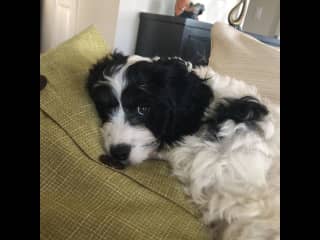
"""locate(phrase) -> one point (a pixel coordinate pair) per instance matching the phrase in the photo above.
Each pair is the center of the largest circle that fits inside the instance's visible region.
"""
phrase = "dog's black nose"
(120, 151)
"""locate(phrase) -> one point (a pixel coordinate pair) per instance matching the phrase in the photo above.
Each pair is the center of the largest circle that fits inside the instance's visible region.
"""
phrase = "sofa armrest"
(241, 56)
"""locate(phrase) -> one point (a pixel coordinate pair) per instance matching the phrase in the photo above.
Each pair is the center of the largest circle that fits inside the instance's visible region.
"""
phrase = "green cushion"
(82, 198)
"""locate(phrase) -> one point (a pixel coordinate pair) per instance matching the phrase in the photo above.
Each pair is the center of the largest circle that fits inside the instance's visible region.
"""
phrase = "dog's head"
(146, 103)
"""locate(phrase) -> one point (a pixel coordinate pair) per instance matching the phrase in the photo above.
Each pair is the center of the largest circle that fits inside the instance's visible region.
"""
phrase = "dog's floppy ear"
(180, 105)
(112, 63)
(161, 121)
(106, 66)
(99, 91)
(191, 101)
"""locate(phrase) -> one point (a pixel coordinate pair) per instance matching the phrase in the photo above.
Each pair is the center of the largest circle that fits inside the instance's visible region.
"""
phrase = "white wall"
(116, 20)
(102, 14)
(47, 25)
(62, 19)
(216, 10)
(128, 20)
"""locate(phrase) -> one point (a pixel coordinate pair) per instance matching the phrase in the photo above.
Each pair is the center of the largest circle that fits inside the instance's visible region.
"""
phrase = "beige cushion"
(243, 57)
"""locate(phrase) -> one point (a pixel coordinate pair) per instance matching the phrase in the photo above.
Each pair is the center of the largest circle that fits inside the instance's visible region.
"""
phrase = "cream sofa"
(241, 56)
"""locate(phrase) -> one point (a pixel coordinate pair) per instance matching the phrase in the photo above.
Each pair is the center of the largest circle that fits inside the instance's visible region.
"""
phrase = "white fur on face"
(119, 131)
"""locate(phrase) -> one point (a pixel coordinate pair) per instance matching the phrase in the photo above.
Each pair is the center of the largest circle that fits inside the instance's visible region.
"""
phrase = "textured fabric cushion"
(241, 56)
(80, 198)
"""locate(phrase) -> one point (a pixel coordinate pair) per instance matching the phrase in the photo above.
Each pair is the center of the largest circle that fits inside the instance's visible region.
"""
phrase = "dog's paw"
(108, 160)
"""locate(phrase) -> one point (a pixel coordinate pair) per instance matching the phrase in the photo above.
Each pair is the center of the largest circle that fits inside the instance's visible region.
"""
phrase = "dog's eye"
(142, 110)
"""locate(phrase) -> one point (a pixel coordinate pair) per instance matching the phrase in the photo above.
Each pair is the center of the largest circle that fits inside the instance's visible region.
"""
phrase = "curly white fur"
(234, 181)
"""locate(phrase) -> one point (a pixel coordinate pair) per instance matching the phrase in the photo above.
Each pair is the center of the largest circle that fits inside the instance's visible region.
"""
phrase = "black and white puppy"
(221, 138)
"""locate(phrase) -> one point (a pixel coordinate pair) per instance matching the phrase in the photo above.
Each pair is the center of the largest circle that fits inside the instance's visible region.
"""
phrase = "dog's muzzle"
(119, 156)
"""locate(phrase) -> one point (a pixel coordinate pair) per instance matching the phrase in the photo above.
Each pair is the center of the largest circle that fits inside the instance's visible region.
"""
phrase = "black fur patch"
(105, 101)
(246, 110)
(108, 65)
(177, 98)
(100, 93)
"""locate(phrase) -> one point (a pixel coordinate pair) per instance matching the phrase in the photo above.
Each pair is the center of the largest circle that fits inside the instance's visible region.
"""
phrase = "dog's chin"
(137, 157)
(111, 162)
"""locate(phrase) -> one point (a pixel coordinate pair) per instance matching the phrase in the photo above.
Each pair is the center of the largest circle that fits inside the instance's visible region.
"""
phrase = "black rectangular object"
(168, 36)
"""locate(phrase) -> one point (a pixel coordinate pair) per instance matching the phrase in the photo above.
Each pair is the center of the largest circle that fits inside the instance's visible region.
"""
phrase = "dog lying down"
(220, 136)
